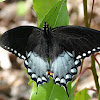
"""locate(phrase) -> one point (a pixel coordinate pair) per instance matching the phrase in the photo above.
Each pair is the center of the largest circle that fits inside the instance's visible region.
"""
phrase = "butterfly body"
(55, 52)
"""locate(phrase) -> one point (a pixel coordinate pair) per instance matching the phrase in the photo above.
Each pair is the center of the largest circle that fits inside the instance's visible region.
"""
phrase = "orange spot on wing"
(48, 72)
(51, 73)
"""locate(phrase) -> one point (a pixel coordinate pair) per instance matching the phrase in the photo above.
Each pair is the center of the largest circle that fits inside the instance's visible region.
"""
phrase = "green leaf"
(48, 91)
(69, 87)
(2, 0)
(82, 95)
(21, 8)
(57, 16)
(42, 7)
(30, 82)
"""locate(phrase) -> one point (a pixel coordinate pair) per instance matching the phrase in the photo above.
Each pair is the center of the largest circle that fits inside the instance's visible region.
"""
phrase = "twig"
(92, 89)
(77, 80)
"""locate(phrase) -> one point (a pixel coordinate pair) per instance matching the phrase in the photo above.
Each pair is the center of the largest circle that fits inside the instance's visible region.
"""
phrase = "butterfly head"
(45, 27)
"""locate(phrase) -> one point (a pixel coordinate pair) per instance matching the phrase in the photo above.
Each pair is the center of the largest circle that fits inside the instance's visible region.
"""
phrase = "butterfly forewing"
(15, 40)
(83, 41)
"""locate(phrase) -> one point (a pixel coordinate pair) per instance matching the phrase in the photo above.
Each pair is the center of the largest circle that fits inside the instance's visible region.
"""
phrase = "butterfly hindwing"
(37, 68)
(64, 67)
(15, 40)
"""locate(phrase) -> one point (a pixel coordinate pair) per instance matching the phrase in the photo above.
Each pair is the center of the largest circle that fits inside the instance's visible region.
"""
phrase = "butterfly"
(56, 52)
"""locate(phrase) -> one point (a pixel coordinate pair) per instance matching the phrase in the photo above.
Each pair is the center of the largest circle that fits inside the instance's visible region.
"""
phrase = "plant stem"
(94, 73)
(81, 66)
(85, 13)
(91, 13)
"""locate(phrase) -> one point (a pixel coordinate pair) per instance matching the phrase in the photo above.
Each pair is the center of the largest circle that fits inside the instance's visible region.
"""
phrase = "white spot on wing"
(23, 57)
(57, 79)
(63, 81)
(89, 52)
(78, 57)
(26, 62)
(34, 76)
(39, 80)
(44, 79)
(11, 49)
(8, 48)
(98, 47)
(19, 54)
(76, 62)
(73, 70)
(84, 54)
(29, 70)
(15, 51)
(94, 49)
(68, 76)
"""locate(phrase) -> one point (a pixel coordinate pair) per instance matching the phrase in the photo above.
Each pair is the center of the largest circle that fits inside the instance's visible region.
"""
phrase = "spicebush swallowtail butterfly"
(64, 46)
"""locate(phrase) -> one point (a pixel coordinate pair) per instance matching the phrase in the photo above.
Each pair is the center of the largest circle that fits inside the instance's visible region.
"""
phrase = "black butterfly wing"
(83, 41)
(15, 40)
